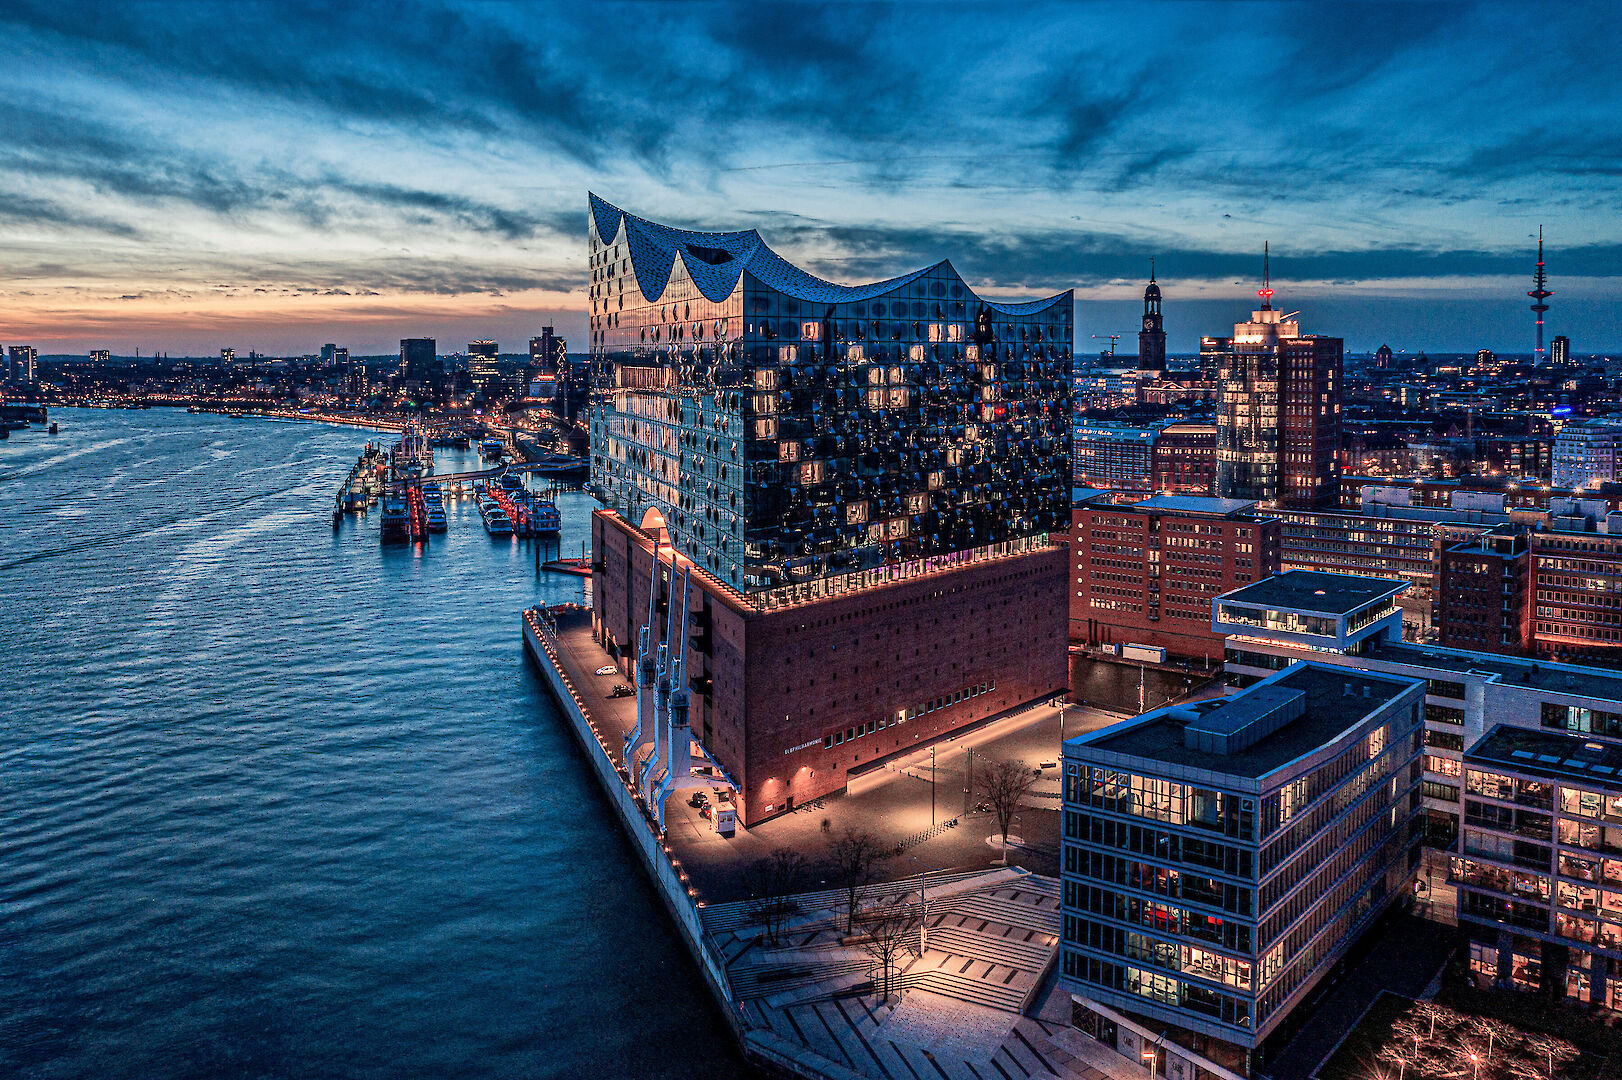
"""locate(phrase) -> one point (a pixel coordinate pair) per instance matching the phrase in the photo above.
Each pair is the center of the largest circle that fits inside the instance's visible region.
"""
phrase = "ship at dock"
(434, 508)
(496, 521)
(396, 524)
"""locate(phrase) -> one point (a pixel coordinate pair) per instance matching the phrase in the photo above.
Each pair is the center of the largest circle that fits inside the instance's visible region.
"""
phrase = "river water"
(276, 801)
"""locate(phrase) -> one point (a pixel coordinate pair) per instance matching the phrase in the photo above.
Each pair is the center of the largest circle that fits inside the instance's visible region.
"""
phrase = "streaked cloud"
(378, 157)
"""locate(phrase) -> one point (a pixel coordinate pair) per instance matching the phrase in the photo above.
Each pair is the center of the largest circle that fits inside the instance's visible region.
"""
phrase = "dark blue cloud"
(1039, 146)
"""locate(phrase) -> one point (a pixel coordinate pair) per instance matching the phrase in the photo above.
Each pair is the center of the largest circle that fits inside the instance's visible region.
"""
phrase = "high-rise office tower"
(418, 360)
(860, 480)
(483, 365)
(100, 356)
(228, 357)
(327, 352)
(23, 364)
(1560, 350)
(1152, 338)
(1278, 419)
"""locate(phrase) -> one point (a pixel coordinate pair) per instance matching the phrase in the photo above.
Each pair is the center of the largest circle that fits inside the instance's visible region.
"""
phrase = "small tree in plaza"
(772, 882)
(855, 856)
(1006, 784)
(889, 935)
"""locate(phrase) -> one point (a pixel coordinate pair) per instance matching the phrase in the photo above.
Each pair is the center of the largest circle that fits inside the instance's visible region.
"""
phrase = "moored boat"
(396, 524)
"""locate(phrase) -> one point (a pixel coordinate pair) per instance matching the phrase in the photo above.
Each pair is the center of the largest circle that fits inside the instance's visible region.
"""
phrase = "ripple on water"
(279, 802)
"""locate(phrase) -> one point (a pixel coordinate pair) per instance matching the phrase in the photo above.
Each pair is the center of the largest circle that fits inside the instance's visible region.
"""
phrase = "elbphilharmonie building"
(788, 429)
(860, 482)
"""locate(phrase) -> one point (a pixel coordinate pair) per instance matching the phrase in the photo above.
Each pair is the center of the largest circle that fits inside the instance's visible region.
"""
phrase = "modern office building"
(1108, 454)
(1184, 459)
(1538, 867)
(1278, 422)
(1219, 858)
(1560, 351)
(1484, 593)
(1576, 581)
(1467, 692)
(1146, 572)
(863, 481)
(419, 361)
(100, 356)
(484, 366)
(1588, 453)
(548, 354)
(23, 368)
(1152, 338)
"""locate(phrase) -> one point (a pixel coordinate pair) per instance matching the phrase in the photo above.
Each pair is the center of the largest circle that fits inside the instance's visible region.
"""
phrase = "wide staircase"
(990, 940)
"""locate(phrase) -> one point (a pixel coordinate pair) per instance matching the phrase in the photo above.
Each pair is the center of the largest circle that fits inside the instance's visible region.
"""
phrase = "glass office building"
(786, 433)
(1220, 856)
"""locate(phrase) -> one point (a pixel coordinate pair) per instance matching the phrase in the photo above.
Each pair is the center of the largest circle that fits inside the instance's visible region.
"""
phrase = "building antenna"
(1266, 291)
(1539, 294)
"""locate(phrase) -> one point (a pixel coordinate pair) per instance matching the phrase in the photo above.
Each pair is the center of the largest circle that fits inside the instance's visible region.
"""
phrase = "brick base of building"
(789, 700)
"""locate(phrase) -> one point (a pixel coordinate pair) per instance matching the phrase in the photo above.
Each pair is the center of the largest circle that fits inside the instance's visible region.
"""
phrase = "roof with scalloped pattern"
(716, 260)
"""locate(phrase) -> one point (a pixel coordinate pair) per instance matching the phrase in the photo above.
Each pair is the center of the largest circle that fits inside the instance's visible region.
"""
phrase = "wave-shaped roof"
(716, 260)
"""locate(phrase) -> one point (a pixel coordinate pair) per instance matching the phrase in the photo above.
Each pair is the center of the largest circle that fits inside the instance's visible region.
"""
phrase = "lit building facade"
(862, 481)
(789, 430)
(1219, 858)
(1113, 455)
(1146, 572)
(1587, 453)
(1279, 417)
(1467, 692)
(1185, 459)
(484, 365)
(1538, 866)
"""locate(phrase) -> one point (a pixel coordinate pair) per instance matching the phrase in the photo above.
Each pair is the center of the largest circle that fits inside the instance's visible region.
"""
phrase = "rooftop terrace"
(1310, 590)
(1335, 701)
(1547, 753)
(1541, 674)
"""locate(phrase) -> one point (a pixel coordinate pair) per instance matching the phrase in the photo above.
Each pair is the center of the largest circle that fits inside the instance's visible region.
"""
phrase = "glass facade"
(1224, 905)
(787, 430)
(1540, 860)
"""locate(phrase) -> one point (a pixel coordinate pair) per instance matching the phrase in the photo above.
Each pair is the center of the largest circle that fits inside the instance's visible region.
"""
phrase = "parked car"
(698, 799)
(608, 669)
(705, 812)
(622, 690)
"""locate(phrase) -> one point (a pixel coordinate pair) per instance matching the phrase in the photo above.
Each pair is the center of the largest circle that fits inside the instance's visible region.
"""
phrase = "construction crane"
(1113, 338)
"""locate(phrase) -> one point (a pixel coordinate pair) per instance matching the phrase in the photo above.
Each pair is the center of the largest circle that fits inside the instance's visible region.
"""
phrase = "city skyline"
(271, 181)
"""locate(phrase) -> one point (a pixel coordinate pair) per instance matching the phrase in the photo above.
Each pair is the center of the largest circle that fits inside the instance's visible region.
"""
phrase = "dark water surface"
(278, 802)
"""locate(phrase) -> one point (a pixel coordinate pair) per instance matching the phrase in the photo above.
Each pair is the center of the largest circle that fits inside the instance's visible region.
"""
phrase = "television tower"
(1539, 294)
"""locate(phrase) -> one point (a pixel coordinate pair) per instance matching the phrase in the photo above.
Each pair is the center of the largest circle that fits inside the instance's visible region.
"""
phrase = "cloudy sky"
(185, 176)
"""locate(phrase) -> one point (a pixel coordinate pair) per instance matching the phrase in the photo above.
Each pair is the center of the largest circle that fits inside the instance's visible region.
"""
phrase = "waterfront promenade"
(978, 999)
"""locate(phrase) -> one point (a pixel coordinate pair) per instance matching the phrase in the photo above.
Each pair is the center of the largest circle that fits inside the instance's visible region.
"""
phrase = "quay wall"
(761, 1046)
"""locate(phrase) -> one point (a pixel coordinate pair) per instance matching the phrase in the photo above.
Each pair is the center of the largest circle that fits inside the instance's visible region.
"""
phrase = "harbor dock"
(809, 1008)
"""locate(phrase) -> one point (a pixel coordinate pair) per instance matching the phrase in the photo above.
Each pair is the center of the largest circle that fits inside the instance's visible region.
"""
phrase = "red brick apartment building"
(1185, 459)
(792, 700)
(1483, 598)
(1146, 572)
(1577, 596)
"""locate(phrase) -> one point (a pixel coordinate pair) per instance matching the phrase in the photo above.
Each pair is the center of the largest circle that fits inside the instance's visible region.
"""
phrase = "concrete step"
(1006, 912)
(1025, 955)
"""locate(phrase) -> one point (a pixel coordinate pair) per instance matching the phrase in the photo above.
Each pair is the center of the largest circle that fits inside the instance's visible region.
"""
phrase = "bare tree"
(1006, 785)
(1557, 1052)
(1403, 1048)
(888, 936)
(855, 856)
(772, 882)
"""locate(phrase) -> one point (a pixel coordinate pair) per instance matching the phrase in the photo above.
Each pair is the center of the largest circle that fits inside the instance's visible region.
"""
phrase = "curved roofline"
(717, 260)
